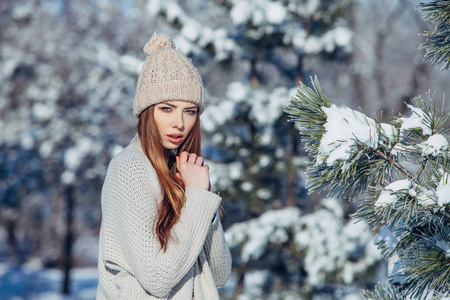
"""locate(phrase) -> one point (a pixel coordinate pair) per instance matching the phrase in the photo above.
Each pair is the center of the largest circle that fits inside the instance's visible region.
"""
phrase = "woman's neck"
(171, 157)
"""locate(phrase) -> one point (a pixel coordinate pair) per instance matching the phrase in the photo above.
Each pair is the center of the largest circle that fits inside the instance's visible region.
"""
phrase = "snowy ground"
(45, 284)
(20, 283)
(39, 284)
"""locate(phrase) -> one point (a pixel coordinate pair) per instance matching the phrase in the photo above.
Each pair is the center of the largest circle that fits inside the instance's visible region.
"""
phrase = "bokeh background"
(68, 72)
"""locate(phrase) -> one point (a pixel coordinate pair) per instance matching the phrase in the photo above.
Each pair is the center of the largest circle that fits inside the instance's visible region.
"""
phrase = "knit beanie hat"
(167, 74)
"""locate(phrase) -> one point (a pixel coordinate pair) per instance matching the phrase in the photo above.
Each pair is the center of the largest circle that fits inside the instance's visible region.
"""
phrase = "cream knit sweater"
(131, 263)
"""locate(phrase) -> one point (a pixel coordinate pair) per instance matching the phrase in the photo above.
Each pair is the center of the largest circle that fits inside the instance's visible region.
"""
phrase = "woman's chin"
(171, 146)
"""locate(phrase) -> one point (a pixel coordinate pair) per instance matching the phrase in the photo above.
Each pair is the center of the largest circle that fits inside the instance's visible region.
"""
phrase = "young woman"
(161, 235)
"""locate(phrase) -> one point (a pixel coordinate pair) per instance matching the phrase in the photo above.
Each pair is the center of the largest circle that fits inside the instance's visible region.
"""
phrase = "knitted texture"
(167, 74)
(131, 263)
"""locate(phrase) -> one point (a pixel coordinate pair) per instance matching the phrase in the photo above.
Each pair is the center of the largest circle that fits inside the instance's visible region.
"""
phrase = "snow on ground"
(17, 283)
(20, 283)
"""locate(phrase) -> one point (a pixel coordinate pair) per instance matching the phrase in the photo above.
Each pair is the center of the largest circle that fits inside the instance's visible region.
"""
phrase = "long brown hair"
(172, 187)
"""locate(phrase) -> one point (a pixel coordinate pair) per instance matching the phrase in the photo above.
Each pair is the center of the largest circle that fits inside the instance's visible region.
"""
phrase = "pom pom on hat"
(158, 41)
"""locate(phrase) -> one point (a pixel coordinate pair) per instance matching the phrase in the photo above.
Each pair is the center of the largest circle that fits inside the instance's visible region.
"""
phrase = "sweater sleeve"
(130, 208)
(218, 253)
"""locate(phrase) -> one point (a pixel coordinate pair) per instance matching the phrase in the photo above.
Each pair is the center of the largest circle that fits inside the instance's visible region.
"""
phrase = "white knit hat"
(167, 74)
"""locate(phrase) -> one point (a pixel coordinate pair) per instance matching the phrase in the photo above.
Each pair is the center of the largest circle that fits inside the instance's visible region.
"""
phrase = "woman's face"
(174, 120)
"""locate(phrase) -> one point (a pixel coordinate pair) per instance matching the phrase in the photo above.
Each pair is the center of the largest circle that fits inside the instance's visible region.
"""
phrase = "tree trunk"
(292, 174)
(68, 243)
(357, 82)
(254, 74)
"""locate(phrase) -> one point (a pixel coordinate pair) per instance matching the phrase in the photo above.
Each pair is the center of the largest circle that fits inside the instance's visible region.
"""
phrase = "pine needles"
(437, 45)
(400, 175)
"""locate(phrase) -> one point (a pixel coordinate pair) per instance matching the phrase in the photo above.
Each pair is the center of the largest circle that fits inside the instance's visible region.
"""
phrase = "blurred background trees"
(68, 72)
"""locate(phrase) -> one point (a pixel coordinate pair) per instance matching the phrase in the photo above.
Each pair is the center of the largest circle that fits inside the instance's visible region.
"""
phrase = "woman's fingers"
(199, 161)
(184, 156)
(190, 158)
(193, 170)
(178, 163)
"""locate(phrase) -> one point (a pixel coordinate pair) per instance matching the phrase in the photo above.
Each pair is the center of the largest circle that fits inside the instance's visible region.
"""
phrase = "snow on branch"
(437, 45)
(329, 246)
(193, 35)
(398, 172)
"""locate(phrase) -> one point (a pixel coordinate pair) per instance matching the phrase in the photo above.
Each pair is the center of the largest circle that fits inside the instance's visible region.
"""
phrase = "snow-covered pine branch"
(437, 45)
(332, 250)
(399, 174)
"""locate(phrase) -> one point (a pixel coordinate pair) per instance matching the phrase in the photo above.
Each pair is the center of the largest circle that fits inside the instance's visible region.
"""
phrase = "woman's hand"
(193, 171)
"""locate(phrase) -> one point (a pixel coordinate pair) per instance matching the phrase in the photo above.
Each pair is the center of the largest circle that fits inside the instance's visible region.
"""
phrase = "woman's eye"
(191, 111)
(166, 108)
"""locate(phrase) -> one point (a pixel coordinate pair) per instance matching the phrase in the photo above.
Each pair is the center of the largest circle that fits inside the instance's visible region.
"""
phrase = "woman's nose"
(178, 121)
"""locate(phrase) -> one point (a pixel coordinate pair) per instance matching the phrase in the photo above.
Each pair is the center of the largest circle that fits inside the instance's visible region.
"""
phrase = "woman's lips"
(175, 138)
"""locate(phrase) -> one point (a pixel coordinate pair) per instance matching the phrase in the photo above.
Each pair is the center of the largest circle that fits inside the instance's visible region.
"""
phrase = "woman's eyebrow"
(169, 104)
(175, 106)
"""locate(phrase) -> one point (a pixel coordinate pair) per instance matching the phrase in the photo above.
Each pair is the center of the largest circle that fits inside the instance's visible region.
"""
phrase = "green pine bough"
(398, 172)
(437, 45)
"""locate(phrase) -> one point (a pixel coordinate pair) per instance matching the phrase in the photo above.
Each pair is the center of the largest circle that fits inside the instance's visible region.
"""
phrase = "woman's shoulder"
(130, 181)
(131, 170)
(132, 160)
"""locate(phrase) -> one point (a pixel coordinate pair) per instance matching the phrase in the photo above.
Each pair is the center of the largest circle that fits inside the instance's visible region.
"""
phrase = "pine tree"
(437, 45)
(397, 172)
(59, 100)
(264, 45)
